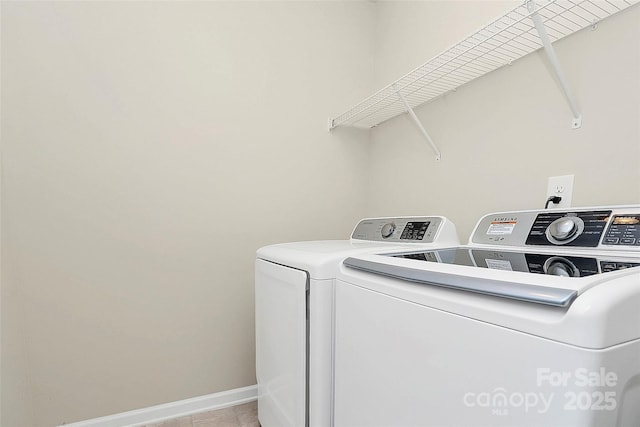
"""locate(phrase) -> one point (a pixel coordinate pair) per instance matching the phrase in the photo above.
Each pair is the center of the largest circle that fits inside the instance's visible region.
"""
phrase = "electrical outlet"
(561, 186)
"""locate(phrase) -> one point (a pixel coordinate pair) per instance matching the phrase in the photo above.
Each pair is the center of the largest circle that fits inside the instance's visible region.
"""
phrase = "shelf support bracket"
(551, 55)
(417, 122)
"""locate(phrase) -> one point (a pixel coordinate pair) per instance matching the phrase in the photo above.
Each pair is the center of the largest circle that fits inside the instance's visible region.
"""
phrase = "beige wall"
(149, 149)
(408, 33)
(503, 135)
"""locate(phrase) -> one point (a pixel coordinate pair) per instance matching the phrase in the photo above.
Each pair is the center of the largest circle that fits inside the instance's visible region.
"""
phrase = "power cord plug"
(553, 199)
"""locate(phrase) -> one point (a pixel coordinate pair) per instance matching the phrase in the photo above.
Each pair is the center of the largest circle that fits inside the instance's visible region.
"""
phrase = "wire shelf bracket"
(524, 29)
(553, 59)
(418, 123)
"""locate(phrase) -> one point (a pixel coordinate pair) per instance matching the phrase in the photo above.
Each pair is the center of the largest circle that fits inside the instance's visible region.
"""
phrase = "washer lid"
(538, 277)
(594, 311)
(555, 296)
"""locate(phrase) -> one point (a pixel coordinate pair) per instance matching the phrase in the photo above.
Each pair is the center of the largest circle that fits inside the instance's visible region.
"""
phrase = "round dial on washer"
(565, 229)
(388, 229)
(558, 266)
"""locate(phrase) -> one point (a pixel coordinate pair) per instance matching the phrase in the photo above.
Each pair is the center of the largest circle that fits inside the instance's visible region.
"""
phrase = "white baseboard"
(158, 413)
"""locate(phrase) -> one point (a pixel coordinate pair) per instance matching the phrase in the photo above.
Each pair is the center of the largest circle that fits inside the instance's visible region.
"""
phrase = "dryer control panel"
(420, 229)
(607, 228)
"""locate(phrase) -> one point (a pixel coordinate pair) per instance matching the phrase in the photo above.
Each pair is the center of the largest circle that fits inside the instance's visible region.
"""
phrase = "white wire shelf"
(503, 41)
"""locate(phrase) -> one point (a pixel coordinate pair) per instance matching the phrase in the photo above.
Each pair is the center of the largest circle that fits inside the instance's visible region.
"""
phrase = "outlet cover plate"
(560, 186)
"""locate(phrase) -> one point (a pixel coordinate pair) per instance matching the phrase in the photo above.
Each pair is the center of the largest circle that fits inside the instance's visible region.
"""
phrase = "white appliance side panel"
(281, 330)
(398, 363)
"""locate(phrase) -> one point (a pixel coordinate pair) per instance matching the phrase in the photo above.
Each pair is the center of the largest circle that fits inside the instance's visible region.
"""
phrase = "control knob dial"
(564, 230)
(558, 266)
(388, 229)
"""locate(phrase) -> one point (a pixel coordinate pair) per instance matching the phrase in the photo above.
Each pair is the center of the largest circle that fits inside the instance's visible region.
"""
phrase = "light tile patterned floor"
(245, 415)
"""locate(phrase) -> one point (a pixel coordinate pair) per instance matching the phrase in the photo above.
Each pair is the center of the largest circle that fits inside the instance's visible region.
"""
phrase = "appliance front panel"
(281, 344)
(399, 363)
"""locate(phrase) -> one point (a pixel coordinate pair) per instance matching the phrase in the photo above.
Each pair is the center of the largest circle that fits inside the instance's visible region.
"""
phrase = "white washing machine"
(294, 291)
(536, 322)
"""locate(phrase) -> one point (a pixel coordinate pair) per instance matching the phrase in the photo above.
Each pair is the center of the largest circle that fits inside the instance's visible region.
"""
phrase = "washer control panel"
(608, 228)
(569, 228)
(424, 229)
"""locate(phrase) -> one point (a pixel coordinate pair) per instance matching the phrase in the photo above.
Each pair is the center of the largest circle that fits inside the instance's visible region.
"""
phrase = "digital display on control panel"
(623, 231)
(414, 230)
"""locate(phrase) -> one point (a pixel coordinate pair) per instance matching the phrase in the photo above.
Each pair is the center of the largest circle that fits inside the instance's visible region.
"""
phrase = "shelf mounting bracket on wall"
(553, 59)
(417, 122)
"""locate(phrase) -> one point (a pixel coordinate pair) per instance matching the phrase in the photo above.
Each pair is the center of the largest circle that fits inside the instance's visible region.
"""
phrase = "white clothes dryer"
(535, 322)
(294, 294)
